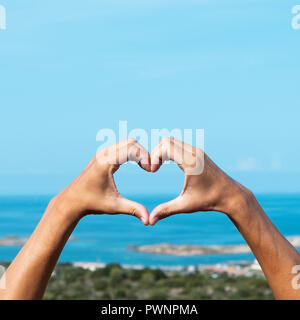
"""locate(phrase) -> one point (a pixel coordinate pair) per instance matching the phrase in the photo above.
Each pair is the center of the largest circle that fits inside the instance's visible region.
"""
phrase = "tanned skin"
(92, 192)
(206, 188)
(214, 190)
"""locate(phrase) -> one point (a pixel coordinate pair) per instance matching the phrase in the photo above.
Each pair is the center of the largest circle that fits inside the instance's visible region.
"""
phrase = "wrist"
(65, 207)
(240, 202)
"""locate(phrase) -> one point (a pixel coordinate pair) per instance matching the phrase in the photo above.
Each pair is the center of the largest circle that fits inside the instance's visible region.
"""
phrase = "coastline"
(197, 250)
(13, 240)
(234, 268)
(181, 250)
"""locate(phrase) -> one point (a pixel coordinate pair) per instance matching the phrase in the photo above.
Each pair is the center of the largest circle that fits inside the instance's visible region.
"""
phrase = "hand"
(206, 187)
(94, 191)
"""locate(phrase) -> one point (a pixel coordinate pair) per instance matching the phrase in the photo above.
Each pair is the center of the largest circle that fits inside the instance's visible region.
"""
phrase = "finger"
(164, 151)
(131, 150)
(188, 158)
(192, 158)
(166, 209)
(140, 155)
(134, 209)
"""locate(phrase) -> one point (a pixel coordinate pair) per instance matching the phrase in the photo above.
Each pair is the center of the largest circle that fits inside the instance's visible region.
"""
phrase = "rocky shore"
(194, 250)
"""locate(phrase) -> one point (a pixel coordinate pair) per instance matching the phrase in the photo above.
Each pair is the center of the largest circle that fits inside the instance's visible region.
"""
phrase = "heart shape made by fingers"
(206, 187)
(188, 159)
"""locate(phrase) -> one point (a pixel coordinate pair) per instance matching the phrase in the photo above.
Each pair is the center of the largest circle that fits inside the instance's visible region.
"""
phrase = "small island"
(13, 240)
(195, 250)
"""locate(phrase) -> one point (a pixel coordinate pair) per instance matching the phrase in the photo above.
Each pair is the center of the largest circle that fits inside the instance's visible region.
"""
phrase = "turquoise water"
(105, 238)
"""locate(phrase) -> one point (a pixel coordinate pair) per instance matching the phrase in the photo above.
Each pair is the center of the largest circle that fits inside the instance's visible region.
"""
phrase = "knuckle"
(165, 145)
(165, 140)
(133, 212)
(99, 159)
(131, 141)
(133, 152)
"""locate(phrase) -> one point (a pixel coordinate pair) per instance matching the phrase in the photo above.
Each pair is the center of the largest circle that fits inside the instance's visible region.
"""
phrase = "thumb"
(166, 209)
(134, 209)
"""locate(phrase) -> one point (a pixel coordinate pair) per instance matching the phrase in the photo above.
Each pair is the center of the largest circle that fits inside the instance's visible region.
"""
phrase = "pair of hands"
(94, 190)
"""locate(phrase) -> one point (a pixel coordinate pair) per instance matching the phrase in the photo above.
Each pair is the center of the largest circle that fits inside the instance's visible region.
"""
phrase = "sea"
(106, 238)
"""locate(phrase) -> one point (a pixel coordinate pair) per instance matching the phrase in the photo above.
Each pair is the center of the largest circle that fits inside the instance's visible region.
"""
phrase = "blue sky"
(70, 68)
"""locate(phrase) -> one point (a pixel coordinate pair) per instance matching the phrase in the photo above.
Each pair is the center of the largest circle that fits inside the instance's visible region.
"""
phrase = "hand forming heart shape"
(206, 187)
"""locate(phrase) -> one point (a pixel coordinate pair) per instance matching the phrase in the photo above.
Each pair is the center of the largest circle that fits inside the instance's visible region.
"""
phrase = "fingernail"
(144, 220)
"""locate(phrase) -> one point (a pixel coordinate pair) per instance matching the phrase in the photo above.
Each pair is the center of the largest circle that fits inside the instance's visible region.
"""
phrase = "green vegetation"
(114, 282)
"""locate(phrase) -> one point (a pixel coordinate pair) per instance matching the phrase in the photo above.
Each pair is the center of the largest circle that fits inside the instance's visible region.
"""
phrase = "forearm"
(275, 254)
(28, 274)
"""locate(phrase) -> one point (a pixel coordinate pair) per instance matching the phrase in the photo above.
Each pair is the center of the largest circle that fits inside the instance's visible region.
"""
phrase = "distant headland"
(14, 240)
(195, 250)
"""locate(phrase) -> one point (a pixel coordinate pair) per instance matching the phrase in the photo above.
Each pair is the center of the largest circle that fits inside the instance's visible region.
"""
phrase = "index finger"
(188, 158)
(167, 149)
(130, 150)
